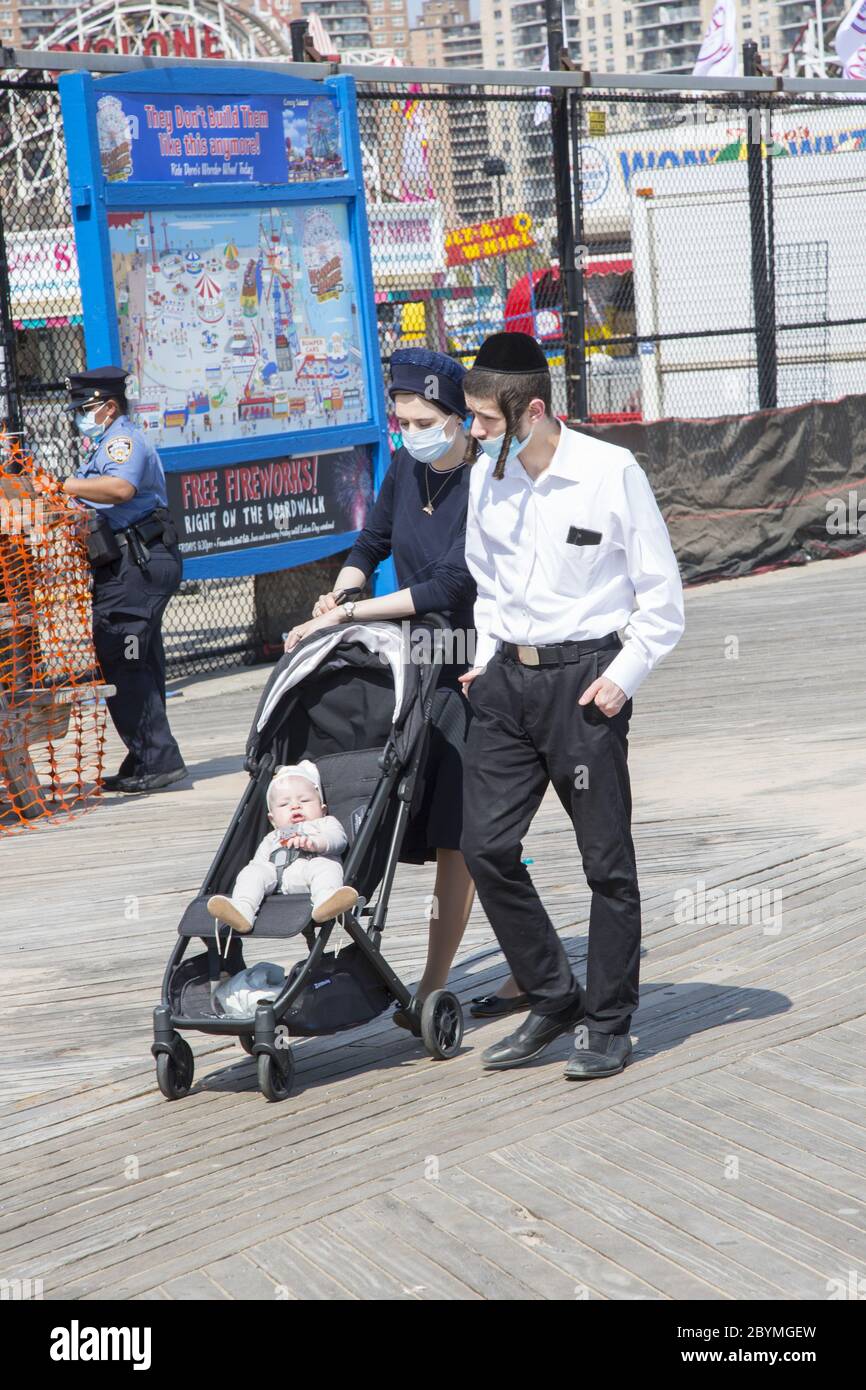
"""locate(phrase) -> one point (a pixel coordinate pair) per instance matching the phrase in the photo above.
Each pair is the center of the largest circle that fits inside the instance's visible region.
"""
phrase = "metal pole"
(819, 40)
(771, 253)
(503, 260)
(582, 383)
(569, 288)
(9, 388)
(765, 333)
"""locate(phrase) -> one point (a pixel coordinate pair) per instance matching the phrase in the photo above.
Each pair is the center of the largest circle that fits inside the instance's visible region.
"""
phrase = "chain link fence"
(720, 245)
(708, 263)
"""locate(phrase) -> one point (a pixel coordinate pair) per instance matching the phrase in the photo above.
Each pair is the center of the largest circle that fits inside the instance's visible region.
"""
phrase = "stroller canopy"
(347, 687)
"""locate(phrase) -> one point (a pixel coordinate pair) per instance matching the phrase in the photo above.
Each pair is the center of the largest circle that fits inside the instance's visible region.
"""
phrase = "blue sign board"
(256, 140)
(224, 256)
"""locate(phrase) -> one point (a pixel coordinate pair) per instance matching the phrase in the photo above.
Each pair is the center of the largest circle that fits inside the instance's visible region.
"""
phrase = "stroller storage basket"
(343, 991)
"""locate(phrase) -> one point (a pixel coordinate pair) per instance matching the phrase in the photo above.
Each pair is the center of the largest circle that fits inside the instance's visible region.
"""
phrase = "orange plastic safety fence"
(52, 720)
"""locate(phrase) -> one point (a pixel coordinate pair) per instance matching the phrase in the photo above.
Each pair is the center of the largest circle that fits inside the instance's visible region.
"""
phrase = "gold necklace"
(428, 510)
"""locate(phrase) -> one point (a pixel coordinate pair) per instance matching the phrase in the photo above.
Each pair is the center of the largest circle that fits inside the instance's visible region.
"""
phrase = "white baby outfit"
(320, 874)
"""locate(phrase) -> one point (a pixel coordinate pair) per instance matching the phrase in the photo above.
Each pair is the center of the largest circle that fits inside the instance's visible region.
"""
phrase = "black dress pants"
(128, 605)
(528, 731)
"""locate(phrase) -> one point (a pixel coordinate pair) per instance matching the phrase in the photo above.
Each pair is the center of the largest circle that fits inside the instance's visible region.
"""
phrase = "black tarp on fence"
(750, 492)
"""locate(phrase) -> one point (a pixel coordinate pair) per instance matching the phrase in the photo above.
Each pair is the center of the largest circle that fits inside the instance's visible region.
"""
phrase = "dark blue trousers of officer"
(128, 604)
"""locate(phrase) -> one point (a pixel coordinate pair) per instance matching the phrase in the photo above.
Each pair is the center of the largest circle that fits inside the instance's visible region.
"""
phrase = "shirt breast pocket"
(581, 557)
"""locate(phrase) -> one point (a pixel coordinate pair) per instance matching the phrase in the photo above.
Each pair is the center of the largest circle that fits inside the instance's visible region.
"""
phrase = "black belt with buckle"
(148, 530)
(559, 654)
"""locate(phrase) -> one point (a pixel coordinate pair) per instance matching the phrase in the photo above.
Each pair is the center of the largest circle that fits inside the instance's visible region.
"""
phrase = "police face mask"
(87, 424)
(428, 445)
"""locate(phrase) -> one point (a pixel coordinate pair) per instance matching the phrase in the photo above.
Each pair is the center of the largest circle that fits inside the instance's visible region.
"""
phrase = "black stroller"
(357, 700)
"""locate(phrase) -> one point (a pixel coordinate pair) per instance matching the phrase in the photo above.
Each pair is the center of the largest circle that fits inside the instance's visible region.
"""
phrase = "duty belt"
(558, 654)
(150, 528)
(140, 534)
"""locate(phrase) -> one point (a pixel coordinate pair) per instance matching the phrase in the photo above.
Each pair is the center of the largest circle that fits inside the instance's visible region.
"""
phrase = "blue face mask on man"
(493, 447)
(87, 425)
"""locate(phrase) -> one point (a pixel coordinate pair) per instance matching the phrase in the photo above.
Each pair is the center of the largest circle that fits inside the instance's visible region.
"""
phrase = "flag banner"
(718, 55)
(851, 42)
(542, 108)
(851, 33)
(415, 172)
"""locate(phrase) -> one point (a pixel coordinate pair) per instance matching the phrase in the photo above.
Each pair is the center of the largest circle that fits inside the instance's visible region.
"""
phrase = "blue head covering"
(433, 375)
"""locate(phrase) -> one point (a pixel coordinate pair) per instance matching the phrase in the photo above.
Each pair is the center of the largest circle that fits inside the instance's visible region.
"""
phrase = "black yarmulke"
(513, 353)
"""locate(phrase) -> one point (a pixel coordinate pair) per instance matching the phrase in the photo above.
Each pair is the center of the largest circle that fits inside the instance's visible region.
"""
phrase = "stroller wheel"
(174, 1074)
(246, 1041)
(275, 1078)
(442, 1023)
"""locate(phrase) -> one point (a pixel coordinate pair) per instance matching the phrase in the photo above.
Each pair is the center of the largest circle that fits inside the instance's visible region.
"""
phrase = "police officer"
(136, 566)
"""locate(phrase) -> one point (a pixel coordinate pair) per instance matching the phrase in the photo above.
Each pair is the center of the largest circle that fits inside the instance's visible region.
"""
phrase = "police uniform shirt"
(125, 452)
(579, 553)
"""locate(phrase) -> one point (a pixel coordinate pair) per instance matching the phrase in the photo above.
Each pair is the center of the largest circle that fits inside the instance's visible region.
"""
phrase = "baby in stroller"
(301, 852)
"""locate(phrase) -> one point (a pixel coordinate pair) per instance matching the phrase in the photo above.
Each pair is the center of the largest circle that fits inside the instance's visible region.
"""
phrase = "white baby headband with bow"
(305, 769)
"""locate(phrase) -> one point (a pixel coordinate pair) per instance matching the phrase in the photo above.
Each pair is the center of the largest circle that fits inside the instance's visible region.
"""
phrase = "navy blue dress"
(429, 560)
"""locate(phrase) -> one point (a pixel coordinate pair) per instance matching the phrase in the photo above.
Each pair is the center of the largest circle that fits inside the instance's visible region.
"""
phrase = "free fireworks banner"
(270, 501)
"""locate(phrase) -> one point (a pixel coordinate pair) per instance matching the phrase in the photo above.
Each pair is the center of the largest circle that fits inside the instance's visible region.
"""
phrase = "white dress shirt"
(535, 588)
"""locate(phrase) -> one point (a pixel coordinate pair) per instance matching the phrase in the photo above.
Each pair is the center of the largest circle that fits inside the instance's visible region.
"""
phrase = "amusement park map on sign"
(239, 323)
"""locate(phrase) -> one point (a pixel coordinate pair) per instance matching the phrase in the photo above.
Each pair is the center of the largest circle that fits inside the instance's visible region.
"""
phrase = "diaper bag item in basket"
(239, 996)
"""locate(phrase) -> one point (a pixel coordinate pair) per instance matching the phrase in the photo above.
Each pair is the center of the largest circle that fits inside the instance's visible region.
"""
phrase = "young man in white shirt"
(568, 547)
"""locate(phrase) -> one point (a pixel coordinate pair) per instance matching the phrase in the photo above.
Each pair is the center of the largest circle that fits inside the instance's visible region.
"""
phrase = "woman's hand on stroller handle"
(331, 618)
(325, 602)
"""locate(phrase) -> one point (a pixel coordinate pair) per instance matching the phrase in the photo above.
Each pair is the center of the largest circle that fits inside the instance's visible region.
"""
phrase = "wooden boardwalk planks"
(726, 1162)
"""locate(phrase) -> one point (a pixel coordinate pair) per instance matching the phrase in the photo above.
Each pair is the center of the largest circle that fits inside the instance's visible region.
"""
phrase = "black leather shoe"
(495, 1006)
(154, 782)
(536, 1033)
(604, 1054)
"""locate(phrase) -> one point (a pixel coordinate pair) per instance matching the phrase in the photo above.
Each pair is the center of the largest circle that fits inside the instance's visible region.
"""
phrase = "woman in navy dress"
(419, 520)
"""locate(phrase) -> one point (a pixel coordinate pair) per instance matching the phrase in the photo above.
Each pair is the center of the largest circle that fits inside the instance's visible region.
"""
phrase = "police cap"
(97, 385)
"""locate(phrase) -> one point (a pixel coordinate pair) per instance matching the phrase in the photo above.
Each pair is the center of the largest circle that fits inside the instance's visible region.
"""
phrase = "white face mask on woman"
(429, 445)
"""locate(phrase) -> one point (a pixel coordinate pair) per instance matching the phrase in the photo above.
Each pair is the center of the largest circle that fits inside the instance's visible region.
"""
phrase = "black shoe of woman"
(496, 1006)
